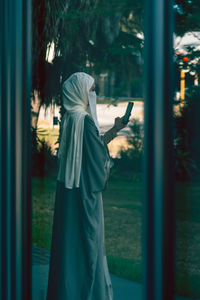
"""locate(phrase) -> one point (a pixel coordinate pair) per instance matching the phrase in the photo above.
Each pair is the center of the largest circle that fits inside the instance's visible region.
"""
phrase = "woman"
(78, 267)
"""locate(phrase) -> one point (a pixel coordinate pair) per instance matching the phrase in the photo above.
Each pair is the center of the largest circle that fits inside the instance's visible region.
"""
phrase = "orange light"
(182, 87)
(185, 59)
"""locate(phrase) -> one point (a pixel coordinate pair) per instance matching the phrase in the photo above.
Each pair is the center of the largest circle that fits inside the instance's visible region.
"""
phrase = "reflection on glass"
(187, 145)
(122, 199)
(106, 41)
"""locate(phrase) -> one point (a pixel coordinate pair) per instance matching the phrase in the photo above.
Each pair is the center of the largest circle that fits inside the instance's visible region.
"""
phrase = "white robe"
(78, 265)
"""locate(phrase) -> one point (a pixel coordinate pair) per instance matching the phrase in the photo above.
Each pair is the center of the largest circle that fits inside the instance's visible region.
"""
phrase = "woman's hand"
(112, 133)
(119, 123)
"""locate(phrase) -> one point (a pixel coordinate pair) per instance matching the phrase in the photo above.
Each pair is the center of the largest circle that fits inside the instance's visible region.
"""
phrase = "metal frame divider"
(158, 204)
(15, 155)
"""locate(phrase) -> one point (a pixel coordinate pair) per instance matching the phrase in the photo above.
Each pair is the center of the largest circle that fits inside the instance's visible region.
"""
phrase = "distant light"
(185, 59)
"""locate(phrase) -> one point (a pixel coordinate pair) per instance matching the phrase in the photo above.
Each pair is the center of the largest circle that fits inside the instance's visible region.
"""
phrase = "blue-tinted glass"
(187, 145)
(109, 48)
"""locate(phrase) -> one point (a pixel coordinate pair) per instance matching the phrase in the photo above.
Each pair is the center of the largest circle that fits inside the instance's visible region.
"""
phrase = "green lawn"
(122, 214)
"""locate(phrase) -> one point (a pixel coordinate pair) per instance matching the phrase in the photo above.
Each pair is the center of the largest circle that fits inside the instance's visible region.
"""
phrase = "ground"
(123, 229)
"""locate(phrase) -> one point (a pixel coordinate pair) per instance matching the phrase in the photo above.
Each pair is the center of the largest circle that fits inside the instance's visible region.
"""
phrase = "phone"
(128, 112)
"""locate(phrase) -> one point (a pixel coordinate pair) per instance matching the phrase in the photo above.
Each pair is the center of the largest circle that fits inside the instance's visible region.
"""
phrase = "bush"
(187, 137)
(132, 157)
(44, 162)
(186, 143)
(129, 165)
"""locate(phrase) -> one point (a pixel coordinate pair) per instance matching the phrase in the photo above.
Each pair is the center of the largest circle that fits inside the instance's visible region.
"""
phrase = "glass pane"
(186, 142)
(123, 196)
(104, 40)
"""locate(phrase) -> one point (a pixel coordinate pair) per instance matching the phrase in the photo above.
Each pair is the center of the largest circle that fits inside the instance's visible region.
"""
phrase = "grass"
(122, 215)
(123, 229)
(188, 239)
(43, 197)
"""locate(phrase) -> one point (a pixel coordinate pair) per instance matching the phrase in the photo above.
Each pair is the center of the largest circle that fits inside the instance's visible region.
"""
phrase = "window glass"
(186, 145)
(106, 41)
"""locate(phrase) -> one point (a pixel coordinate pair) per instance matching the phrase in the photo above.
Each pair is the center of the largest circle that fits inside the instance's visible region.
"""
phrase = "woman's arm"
(112, 133)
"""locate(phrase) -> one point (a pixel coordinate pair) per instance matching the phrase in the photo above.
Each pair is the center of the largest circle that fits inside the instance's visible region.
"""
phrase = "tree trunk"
(35, 108)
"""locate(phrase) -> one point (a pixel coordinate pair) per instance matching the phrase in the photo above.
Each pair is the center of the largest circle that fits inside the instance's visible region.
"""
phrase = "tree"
(99, 33)
(187, 14)
(102, 34)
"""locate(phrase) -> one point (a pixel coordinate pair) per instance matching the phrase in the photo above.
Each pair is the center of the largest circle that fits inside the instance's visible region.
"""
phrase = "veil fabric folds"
(75, 91)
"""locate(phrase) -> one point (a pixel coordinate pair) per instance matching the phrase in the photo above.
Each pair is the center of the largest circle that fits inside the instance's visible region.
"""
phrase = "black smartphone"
(128, 112)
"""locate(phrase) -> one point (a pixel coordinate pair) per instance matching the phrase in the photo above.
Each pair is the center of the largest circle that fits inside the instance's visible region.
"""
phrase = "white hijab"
(78, 102)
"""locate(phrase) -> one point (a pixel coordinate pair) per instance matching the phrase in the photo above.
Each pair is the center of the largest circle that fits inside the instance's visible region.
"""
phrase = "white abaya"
(78, 265)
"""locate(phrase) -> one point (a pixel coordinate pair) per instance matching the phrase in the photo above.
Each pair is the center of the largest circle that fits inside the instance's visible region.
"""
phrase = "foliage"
(186, 123)
(101, 34)
(187, 136)
(187, 13)
(129, 166)
(184, 164)
(132, 157)
(186, 143)
(190, 67)
(43, 161)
